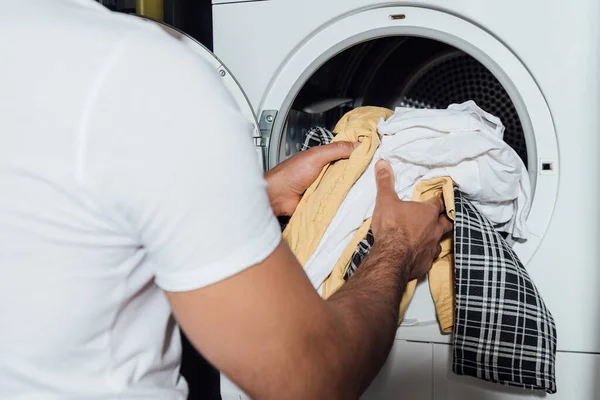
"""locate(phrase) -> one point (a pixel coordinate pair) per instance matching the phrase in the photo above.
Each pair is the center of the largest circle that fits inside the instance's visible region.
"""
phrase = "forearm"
(277, 339)
(336, 350)
(279, 196)
(367, 307)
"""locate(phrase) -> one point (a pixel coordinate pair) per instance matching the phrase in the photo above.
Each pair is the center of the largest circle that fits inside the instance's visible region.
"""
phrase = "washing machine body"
(535, 64)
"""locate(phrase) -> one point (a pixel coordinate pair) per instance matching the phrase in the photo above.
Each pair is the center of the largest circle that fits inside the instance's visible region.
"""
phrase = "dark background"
(193, 17)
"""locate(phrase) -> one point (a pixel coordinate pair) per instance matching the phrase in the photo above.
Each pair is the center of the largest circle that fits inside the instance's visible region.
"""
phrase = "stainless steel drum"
(399, 71)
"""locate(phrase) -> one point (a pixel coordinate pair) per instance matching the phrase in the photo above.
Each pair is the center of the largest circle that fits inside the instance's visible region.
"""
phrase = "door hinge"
(265, 129)
(259, 141)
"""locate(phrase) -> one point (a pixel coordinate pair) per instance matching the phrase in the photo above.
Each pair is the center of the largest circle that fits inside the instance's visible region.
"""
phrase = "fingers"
(323, 155)
(438, 202)
(384, 176)
(439, 251)
(446, 223)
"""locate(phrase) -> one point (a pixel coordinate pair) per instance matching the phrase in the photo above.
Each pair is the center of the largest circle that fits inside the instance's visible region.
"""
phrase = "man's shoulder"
(86, 28)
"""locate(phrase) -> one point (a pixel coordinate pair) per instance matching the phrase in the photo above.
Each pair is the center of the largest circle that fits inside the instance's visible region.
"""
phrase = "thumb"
(384, 176)
(323, 155)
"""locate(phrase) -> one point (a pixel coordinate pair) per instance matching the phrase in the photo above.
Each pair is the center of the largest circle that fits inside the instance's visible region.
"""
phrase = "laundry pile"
(502, 330)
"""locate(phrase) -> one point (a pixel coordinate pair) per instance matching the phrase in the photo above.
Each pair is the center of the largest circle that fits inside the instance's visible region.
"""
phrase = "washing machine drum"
(457, 77)
(400, 72)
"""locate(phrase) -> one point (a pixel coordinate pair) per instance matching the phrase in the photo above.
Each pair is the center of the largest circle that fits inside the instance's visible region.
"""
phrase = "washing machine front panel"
(557, 48)
(233, 1)
(255, 38)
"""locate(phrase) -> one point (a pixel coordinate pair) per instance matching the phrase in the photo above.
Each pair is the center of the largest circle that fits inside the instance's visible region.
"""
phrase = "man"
(130, 190)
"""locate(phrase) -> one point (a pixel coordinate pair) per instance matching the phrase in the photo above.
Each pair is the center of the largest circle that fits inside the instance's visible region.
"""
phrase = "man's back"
(61, 256)
(87, 161)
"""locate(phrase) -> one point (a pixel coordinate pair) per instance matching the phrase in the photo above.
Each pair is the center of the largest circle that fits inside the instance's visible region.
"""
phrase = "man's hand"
(289, 180)
(411, 230)
(407, 236)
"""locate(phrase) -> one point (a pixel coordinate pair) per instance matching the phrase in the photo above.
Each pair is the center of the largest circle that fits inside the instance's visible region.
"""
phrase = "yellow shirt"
(323, 198)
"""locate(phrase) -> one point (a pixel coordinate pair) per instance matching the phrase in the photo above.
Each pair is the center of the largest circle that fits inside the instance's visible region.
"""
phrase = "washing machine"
(294, 64)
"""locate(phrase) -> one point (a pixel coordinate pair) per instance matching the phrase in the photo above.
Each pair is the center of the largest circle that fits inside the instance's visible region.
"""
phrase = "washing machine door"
(229, 81)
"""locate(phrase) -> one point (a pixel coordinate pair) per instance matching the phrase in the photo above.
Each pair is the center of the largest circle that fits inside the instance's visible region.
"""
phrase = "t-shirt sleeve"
(170, 154)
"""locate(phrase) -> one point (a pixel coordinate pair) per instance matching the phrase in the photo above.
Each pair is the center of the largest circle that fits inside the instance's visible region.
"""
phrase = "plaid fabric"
(363, 248)
(316, 136)
(503, 331)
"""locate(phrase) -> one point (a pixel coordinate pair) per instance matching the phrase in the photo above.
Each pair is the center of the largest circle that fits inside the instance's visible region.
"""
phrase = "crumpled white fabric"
(462, 142)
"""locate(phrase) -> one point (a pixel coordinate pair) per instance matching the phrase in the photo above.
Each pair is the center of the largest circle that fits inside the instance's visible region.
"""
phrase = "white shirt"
(125, 169)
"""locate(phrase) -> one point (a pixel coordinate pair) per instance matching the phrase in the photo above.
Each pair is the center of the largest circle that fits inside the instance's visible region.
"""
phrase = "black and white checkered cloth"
(363, 248)
(503, 331)
(316, 136)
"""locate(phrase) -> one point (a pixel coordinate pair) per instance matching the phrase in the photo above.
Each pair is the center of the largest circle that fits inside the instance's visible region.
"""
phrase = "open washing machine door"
(461, 46)
(260, 141)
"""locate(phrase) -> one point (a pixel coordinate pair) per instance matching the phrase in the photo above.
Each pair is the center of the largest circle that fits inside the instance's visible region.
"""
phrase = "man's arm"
(269, 331)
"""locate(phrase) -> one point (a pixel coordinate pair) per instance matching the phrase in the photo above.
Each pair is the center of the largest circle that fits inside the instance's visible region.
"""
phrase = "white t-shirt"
(125, 169)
